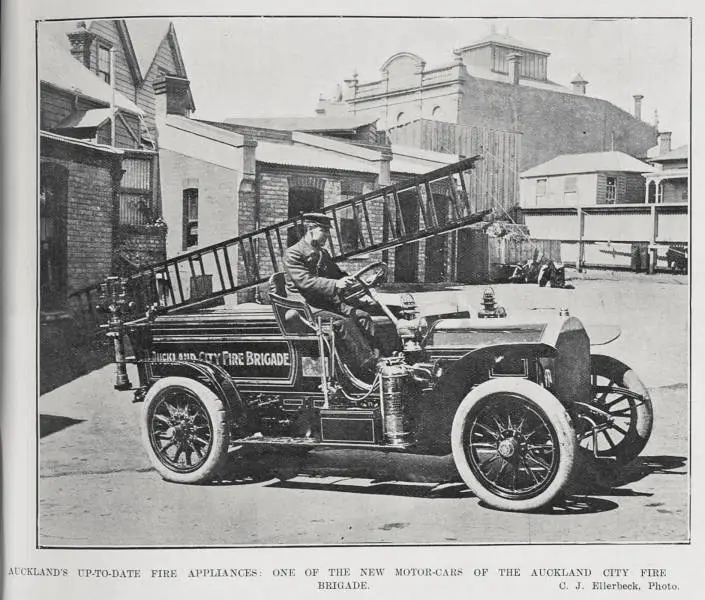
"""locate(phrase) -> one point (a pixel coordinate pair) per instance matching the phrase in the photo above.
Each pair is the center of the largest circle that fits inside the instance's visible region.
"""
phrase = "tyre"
(513, 444)
(619, 426)
(185, 430)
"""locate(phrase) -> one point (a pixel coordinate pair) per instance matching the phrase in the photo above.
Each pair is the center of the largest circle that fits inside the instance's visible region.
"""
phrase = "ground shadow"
(68, 351)
(573, 505)
(436, 478)
(49, 424)
(602, 478)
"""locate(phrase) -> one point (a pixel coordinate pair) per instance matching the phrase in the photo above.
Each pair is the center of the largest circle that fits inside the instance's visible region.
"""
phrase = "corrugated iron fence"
(495, 181)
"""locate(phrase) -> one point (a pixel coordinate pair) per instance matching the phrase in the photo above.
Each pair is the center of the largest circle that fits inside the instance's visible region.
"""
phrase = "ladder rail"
(247, 262)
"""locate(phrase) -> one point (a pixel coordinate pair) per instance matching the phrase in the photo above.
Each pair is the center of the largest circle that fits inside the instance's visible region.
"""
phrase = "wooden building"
(99, 193)
(584, 180)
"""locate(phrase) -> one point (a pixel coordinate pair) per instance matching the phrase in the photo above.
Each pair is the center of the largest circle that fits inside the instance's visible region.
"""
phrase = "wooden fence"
(495, 180)
(607, 235)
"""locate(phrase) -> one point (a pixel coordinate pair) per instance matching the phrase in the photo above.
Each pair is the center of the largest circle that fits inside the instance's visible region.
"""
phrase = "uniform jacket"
(312, 272)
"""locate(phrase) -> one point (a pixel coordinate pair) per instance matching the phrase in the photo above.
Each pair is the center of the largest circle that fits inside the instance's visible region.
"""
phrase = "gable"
(108, 34)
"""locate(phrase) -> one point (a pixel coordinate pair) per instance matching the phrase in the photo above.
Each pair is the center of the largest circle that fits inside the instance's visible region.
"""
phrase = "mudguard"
(211, 375)
(436, 412)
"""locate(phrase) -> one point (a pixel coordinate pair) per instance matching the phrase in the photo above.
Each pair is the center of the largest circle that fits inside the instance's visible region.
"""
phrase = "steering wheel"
(366, 278)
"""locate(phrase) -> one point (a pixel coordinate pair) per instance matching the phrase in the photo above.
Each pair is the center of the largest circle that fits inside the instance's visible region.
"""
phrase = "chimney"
(664, 142)
(579, 84)
(173, 96)
(514, 61)
(81, 41)
(637, 106)
(321, 106)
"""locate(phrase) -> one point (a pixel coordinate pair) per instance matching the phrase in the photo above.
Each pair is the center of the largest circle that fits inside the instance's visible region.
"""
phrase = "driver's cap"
(318, 219)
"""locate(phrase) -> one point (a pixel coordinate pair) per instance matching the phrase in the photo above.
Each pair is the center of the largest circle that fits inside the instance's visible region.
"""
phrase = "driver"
(310, 270)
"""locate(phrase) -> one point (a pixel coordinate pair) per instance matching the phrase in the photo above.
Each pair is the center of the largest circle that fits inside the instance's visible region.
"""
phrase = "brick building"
(224, 179)
(99, 193)
(498, 83)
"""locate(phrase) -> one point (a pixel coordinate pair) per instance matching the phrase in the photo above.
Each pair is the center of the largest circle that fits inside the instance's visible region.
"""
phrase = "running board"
(313, 443)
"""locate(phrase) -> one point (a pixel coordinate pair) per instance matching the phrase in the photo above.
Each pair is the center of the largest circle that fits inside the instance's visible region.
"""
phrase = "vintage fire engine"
(514, 398)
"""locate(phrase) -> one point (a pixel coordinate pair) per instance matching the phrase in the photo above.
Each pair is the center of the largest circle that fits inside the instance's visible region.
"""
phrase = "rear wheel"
(619, 422)
(185, 430)
(513, 444)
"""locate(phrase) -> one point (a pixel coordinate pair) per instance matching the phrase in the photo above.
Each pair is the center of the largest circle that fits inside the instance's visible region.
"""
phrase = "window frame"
(544, 181)
(105, 75)
(190, 198)
(611, 198)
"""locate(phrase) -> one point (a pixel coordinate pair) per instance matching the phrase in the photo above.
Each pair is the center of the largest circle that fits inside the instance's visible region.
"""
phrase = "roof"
(503, 40)
(58, 68)
(85, 119)
(679, 153)
(668, 174)
(482, 73)
(201, 129)
(146, 36)
(592, 162)
(299, 155)
(341, 123)
(85, 144)
(415, 161)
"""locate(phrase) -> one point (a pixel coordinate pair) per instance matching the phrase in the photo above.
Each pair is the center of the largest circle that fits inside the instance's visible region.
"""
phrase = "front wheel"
(185, 430)
(513, 444)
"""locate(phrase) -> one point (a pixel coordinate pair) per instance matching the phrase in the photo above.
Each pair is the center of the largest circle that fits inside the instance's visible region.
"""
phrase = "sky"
(275, 66)
(266, 66)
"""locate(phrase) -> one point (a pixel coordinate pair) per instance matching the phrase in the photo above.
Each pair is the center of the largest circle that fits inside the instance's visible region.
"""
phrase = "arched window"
(400, 117)
(305, 195)
(437, 113)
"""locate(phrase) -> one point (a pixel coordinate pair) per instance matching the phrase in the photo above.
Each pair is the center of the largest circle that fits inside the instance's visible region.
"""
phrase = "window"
(349, 224)
(437, 113)
(540, 188)
(190, 218)
(104, 63)
(611, 190)
(136, 194)
(304, 197)
(570, 190)
(400, 117)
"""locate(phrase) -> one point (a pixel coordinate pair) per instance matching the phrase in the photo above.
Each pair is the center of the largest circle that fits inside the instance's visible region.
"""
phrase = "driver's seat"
(293, 316)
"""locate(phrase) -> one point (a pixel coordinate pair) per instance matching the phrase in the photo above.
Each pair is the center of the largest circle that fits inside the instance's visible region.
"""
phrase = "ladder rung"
(388, 218)
(228, 267)
(336, 226)
(432, 203)
(422, 208)
(253, 258)
(243, 258)
(358, 228)
(279, 241)
(400, 214)
(270, 248)
(220, 270)
(367, 221)
(178, 282)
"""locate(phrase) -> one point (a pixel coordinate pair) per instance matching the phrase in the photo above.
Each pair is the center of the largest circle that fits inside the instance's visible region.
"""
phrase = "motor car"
(513, 398)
